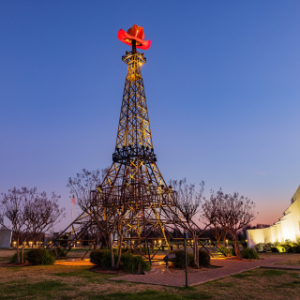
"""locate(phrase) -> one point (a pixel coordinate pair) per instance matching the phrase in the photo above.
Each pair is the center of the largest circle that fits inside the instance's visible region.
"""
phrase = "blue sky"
(221, 80)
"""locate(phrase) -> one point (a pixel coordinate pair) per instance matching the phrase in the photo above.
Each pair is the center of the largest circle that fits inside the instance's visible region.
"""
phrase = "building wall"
(288, 226)
(5, 238)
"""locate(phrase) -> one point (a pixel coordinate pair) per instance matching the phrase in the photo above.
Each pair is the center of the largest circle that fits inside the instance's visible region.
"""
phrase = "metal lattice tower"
(134, 184)
(133, 202)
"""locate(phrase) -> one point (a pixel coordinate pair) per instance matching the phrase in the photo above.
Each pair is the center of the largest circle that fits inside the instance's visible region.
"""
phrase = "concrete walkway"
(229, 267)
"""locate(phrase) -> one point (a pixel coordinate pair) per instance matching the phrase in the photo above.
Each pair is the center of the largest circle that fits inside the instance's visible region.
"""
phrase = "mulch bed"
(14, 265)
(108, 272)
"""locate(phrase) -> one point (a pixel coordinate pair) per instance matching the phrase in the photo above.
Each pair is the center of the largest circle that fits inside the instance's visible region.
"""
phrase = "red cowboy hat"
(134, 33)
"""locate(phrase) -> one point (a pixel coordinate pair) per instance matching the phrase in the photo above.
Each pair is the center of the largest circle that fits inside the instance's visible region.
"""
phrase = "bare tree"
(233, 213)
(83, 184)
(209, 217)
(29, 213)
(44, 213)
(188, 202)
(13, 207)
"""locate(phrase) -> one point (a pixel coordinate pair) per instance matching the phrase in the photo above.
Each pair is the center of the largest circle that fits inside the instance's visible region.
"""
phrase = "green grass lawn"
(78, 282)
(74, 282)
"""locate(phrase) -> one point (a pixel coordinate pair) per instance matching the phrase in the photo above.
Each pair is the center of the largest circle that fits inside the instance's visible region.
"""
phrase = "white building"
(287, 228)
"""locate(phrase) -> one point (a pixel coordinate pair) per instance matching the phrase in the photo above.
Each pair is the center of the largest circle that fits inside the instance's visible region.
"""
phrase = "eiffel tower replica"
(133, 200)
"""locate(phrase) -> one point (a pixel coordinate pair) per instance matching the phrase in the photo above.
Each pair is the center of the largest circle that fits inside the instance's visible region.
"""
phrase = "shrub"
(249, 253)
(134, 263)
(260, 247)
(180, 259)
(14, 257)
(96, 257)
(295, 249)
(127, 262)
(47, 258)
(107, 259)
(225, 250)
(34, 256)
(268, 246)
(204, 259)
(101, 258)
(287, 245)
(274, 249)
(280, 248)
(40, 257)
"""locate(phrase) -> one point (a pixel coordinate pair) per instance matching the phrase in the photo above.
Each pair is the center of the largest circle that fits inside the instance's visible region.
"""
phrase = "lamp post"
(227, 243)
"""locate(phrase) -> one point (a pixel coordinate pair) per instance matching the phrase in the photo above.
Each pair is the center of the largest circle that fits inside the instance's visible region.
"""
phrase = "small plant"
(204, 259)
(294, 249)
(249, 253)
(40, 257)
(47, 258)
(13, 259)
(260, 247)
(280, 249)
(106, 262)
(180, 259)
(134, 263)
(287, 245)
(102, 258)
(96, 257)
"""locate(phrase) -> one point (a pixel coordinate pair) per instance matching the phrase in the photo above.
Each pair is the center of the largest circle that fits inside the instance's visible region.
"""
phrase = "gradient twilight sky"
(221, 80)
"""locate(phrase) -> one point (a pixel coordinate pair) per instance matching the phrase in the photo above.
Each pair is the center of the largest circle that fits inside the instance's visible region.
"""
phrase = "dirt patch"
(7, 265)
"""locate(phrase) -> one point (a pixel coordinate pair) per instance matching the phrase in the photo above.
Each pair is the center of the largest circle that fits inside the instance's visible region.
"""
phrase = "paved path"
(230, 267)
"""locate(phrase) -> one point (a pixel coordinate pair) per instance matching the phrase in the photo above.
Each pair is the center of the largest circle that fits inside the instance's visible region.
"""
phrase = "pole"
(148, 252)
(185, 254)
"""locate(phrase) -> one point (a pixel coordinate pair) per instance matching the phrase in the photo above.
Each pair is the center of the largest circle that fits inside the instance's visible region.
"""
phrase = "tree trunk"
(119, 249)
(95, 244)
(111, 251)
(197, 252)
(18, 253)
(217, 236)
(236, 247)
(224, 237)
(22, 260)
